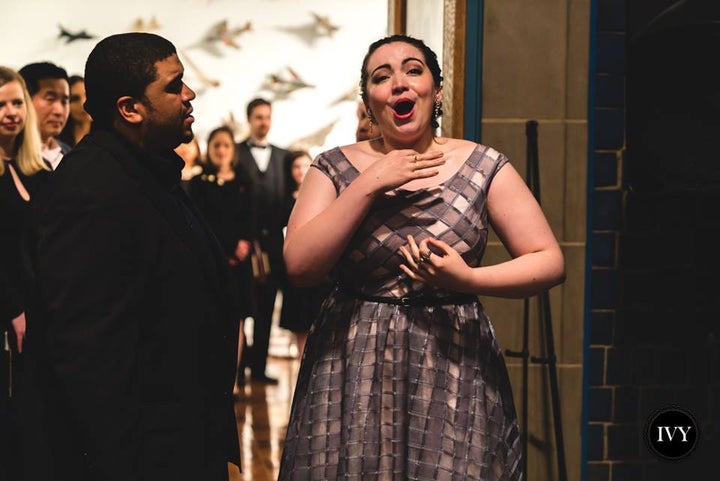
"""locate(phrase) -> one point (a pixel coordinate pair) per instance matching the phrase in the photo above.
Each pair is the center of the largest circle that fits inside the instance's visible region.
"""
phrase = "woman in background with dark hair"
(223, 196)
(300, 305)
(79, 122)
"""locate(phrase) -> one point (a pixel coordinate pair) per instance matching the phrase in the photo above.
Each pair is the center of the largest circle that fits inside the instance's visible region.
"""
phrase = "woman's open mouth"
(403, 109)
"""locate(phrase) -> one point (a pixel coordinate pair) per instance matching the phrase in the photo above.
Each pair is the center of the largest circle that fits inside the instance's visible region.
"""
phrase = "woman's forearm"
(313, 248)
(523, 276)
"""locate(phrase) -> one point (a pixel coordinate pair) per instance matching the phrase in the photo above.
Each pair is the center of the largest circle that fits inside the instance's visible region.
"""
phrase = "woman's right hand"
(399, 167)
(19, 326)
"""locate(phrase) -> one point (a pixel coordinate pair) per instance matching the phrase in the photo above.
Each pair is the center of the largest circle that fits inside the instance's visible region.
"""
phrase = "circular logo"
(672, 433)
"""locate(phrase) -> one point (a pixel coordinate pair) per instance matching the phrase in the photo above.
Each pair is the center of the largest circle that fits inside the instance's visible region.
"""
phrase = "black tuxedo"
(269, 200)
(132, 328)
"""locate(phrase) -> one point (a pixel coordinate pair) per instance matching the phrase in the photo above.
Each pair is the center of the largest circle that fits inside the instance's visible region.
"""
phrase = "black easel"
(545, 318)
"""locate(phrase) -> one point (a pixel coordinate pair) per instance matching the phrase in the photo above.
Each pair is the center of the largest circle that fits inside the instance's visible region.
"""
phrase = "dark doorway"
(670, 242)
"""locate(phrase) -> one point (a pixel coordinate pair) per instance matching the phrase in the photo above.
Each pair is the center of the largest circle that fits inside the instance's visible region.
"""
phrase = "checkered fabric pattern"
(390, 392)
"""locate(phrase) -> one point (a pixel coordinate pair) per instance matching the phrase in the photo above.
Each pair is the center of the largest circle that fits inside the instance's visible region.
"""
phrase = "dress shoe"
(264, 379)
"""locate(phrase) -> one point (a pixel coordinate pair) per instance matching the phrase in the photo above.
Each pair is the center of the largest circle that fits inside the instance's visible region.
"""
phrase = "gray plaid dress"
(393, 392)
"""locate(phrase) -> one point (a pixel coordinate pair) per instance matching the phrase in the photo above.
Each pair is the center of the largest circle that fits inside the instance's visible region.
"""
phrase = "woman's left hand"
(443, 267)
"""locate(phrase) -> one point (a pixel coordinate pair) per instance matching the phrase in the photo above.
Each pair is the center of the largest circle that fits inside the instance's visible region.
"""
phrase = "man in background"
(49, 88)
(363, 126)
(265, 165)
(133, 320)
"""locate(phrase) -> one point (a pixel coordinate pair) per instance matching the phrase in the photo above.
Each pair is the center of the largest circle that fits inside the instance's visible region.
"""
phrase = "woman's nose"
(399, 83)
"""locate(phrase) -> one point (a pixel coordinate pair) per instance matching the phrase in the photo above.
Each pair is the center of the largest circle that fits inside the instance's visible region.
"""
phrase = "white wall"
(30, 33)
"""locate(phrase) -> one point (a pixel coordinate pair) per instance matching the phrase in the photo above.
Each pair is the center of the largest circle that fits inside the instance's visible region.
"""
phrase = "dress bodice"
(454, 211)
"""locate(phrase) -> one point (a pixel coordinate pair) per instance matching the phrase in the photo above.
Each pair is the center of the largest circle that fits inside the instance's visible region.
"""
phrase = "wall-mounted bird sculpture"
(284, 83)
(222, 34)
(73, 36)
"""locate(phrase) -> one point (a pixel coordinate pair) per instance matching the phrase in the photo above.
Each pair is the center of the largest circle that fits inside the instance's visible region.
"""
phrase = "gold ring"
(425, 256)
(415, 158)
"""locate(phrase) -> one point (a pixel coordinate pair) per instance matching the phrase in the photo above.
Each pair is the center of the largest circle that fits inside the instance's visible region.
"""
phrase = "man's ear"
(131, 110)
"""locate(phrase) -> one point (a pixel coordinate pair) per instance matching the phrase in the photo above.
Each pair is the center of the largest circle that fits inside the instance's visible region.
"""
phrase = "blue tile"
(601, 328)
(599, 404)
(626, 404)
(624, 441)
(595, 443)
(610, 53)
(611, 15)
(610, 91)
(596, 366)
(626, 472)
(618, 366)
(603, 250)
(605, 169)
(609, 129)
(607, 210)
(598, 471)
(604, 289)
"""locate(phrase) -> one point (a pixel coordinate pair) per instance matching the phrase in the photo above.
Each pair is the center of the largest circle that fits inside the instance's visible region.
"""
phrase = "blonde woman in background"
(22, 175)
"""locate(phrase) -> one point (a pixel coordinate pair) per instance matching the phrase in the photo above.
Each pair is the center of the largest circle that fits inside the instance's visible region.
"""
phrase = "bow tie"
(253, 145)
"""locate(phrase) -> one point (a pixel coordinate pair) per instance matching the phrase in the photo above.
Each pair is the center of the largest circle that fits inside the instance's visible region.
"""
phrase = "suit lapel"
(161, 199)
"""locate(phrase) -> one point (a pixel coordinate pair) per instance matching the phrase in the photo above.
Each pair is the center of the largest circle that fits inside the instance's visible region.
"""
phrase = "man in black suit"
(49, 87)
(133, 323)
(265, 164)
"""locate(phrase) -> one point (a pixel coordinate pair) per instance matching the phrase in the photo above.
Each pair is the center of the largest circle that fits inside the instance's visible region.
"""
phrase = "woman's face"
(401, 90)
(13, 110)
(77, 100)
(221, 149)
(299, 168)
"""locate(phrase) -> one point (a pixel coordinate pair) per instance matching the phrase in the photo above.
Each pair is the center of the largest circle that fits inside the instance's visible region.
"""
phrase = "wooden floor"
(262, 415)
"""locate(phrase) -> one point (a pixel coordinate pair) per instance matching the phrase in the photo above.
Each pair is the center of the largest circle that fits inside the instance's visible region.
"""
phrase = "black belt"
(417, 301)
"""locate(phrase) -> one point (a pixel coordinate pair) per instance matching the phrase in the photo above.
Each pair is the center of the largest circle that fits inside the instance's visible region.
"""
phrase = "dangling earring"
(371, 121)
(437, 111)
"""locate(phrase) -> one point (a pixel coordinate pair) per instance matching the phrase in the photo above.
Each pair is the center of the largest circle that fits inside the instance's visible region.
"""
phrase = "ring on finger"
(425, 256)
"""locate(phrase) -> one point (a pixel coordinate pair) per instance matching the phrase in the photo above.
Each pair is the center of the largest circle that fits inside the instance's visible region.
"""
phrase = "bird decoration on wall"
(323, 24)
(314, 139)
(240, 130)
(222, 34)
(205, 81)
(73, 36)
(310, 32)
(140, 25)
(352, 95)
(284, 83)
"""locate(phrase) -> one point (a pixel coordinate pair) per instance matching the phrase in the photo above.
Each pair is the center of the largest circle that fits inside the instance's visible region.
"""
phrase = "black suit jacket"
(132, 328)
(269, 195)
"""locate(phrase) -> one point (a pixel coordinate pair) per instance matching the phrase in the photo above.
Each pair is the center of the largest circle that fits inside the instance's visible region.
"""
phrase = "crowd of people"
(129, 262)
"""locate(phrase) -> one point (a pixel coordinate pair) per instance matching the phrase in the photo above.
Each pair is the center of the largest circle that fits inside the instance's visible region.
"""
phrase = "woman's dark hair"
(67, 134)
(213, 133)
(291, 157)
(430, 60)
(119, 65)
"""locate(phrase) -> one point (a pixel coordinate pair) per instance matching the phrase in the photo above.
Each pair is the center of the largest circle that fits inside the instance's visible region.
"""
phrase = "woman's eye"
(379, 78)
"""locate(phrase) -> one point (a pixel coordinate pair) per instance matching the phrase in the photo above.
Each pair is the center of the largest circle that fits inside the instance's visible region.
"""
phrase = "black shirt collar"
(166, 168)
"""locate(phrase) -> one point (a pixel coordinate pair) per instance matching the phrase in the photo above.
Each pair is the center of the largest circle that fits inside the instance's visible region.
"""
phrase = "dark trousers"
(11, 368)
(255, 356)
